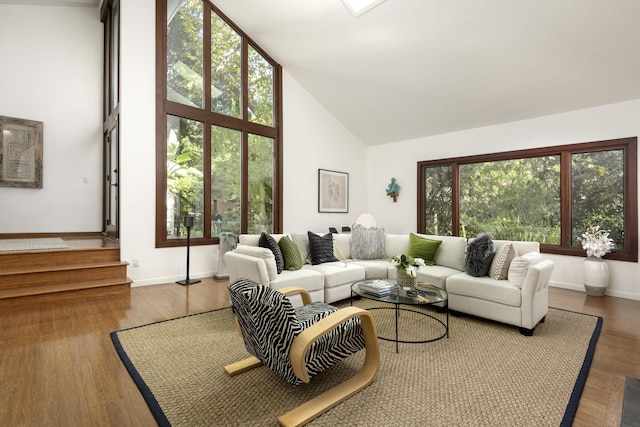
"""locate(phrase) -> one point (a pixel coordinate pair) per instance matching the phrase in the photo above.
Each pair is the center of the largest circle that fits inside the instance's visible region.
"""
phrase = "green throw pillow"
(292, 257)
(421, 247)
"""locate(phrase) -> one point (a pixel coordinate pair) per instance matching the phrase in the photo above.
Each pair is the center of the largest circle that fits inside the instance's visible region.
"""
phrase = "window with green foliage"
(549, 195)
(218, 127)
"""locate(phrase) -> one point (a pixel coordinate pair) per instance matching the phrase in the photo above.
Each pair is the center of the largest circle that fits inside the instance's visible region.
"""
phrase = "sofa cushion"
(375, 268)
(367, 243)
(480, 253)
(338, 273)
(321, 248)
(484, 288)
(291, 254)
(304, 278)
(254, 239)
(435, 275)
(500, 265)
(265, 254)
(520, 266)
(266, 241)
(422, 247)
(451, 251)
(395, 244)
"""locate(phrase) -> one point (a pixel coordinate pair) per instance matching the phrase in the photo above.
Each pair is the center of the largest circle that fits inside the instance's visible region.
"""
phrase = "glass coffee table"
(425, 294)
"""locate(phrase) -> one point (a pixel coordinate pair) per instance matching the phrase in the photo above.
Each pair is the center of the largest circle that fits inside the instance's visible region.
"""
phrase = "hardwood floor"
(58, 366)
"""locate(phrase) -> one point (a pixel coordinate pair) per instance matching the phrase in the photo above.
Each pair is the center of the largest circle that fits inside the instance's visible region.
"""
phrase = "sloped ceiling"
(414, 68)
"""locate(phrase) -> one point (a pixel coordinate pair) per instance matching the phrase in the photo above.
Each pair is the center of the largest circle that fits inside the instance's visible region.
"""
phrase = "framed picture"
(333, 191)
(20, 153)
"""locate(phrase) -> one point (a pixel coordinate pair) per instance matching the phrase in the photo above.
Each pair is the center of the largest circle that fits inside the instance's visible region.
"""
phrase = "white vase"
(595, 276)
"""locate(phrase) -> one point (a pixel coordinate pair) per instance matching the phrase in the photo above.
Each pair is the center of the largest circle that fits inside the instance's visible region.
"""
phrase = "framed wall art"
(333, 191)
(20, 153)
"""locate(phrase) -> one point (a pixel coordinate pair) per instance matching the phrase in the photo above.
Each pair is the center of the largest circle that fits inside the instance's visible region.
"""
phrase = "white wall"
(51, 71)
(313, 139)
(594, 124)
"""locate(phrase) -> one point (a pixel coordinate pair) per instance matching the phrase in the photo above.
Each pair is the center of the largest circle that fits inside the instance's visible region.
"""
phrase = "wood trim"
(75, 235)
(629, 253)
(161, 122)
(165, 107)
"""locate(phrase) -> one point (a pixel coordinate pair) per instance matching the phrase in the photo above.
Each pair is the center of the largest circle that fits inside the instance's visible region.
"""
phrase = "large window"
(219, 134)
(549, 195)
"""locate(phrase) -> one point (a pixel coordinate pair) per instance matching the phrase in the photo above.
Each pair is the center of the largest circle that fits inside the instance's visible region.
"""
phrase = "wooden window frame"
(164, 107)
(629, 145)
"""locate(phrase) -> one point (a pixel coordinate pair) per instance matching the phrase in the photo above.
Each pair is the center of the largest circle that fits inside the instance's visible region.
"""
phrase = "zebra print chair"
(298, 343)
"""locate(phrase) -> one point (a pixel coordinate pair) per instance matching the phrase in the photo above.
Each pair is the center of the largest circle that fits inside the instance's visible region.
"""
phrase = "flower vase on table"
(406, 281)
(595, 271)
(407, 267)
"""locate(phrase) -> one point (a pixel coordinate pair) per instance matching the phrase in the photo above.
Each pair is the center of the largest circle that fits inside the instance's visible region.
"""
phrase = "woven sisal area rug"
(484, 374)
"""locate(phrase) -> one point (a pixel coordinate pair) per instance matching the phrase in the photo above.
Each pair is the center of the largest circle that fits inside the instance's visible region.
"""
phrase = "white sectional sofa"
(520, 299)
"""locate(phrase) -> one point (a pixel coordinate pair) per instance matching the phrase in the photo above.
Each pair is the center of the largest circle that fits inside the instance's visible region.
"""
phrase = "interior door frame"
(110, 17)
(111, 190)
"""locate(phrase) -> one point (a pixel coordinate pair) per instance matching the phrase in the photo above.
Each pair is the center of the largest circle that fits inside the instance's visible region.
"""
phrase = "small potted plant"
(407, 267)
(595, 272)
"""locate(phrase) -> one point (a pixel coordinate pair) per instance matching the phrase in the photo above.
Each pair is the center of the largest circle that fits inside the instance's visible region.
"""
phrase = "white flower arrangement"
(407, 264)
(597, 242)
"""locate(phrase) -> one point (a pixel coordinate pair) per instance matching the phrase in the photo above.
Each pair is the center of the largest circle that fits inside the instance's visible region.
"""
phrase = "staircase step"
(61, 287)
(54, 275)
(91, 263)
(11, 262)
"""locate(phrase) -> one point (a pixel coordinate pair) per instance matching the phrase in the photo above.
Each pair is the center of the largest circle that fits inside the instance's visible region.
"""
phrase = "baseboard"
(580, 288)
(170, 279)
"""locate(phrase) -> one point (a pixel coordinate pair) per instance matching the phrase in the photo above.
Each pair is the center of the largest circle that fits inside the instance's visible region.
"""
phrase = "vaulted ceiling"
(414, 68)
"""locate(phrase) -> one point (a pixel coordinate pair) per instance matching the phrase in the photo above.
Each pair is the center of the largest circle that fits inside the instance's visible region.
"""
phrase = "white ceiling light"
(358, 7)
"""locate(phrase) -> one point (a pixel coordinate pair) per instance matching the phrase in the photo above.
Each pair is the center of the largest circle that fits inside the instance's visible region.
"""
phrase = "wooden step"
(89, 262)
(61, 287)
(53, 275)
(12, 262)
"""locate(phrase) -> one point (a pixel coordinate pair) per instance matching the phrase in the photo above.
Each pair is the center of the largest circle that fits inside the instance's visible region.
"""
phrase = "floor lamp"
(188, 222)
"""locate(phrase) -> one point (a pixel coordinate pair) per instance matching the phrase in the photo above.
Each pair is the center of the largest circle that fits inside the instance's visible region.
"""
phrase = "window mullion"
(206, 144)
(565, 199)
(455, 199)
(245, 135)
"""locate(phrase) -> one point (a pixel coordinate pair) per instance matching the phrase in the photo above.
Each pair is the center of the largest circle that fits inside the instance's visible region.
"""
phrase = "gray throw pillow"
(480, 253)
(367, 243)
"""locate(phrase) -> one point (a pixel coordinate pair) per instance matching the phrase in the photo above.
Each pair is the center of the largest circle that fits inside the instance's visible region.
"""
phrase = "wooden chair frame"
(332, 397)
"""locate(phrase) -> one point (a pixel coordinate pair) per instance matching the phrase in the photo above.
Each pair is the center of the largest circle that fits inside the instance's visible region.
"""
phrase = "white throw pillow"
(502, 261)
(520, 266)
(302, 240)
(338, 252)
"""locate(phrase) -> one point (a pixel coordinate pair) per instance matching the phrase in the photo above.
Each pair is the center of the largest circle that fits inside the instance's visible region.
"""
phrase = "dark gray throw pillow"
(267, 241)
(321, 248)
(480, 253)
